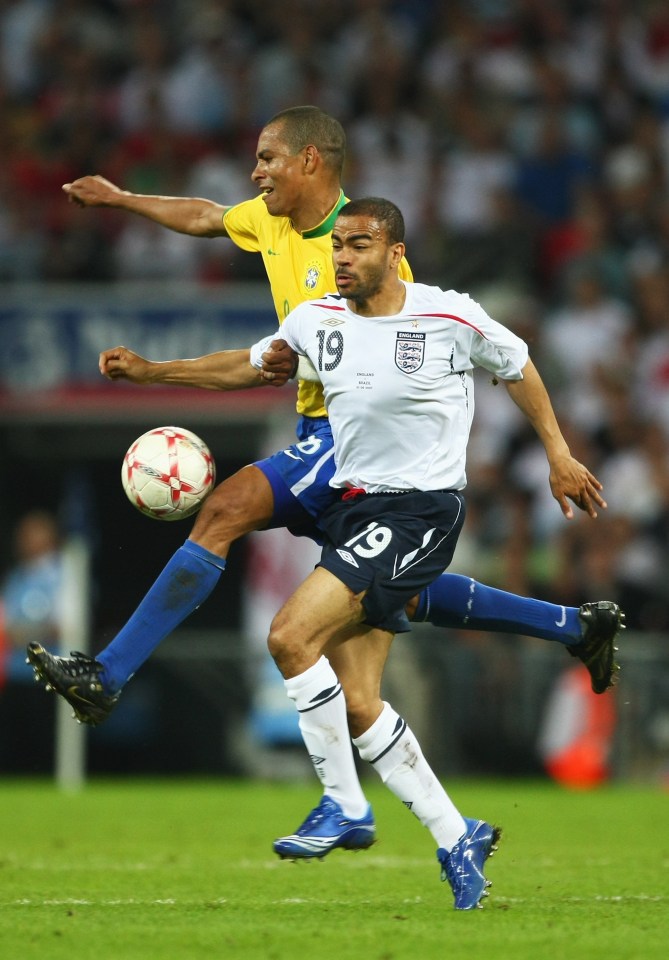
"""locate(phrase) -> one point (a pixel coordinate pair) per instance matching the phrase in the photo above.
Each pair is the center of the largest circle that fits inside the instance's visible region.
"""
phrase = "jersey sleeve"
(494, 347)
(260, 347)
(294, 331)
(242, 224)
(306, 370)
(289, 331)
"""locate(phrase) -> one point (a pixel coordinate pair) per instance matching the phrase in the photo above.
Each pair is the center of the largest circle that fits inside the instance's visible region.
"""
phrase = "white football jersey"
(399, 390)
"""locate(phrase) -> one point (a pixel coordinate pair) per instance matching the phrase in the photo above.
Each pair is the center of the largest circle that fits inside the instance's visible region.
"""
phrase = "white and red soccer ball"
(168, 472)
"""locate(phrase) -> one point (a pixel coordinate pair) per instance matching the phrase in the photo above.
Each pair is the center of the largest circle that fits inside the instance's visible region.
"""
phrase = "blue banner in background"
(51, 337)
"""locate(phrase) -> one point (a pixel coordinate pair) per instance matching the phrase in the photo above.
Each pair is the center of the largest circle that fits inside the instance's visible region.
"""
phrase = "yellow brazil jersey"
(299, 267)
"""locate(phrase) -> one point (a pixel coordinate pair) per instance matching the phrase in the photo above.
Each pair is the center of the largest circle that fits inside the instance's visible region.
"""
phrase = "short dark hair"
(301, 126)
(382, 210)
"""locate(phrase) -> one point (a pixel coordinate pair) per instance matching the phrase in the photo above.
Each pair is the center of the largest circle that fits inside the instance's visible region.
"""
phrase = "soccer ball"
(167, 473)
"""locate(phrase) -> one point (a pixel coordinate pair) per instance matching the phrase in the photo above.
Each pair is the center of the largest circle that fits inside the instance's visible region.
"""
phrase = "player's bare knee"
(275, 642)
(225, 516)
(294, 648)
(283, 644)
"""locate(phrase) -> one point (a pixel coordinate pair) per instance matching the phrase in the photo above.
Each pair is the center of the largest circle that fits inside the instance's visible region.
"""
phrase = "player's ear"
(310, 156)
(396, 253)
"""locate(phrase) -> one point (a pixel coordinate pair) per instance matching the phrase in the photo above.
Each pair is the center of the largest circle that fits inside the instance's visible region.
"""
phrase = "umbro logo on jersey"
(333, 321)
(348, 557)
(272, 253)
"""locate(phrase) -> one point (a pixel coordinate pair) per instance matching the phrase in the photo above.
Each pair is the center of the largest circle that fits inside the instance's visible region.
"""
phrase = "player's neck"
(314, 210)
(386, 303)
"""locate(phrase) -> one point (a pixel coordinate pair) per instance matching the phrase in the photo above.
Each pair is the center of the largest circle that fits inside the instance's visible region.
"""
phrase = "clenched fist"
(92, 192)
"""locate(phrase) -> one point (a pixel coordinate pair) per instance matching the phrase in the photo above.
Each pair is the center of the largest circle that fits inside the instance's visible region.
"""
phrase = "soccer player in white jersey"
(396, 362)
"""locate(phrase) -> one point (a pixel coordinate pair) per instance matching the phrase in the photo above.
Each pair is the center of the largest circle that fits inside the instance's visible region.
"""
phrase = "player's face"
(362, 256)
(278, 173)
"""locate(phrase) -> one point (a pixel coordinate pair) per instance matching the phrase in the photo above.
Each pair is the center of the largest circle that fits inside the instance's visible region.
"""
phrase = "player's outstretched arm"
(569, 479)
(278, 362)
(194, 216)
(224, 370)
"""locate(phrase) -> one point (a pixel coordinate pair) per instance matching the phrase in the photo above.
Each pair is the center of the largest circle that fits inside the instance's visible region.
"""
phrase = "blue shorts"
(300, 478)
(391, 545)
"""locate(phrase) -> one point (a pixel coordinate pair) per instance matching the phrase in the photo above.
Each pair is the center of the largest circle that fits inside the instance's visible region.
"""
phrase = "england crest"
(410, 351)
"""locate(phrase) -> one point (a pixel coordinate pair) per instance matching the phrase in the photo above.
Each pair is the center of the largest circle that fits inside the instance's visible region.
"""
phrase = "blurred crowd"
(527, 143)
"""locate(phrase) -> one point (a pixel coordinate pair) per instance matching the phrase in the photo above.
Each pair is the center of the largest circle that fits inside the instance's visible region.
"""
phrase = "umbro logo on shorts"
(348, 557)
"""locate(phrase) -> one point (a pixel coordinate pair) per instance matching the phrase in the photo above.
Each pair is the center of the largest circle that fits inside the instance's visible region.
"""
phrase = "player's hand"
(279, 363)
(92, 192)
(123, 364)
(570, 480)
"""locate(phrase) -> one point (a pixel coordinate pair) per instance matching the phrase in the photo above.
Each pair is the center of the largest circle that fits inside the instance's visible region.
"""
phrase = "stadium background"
(527, 144)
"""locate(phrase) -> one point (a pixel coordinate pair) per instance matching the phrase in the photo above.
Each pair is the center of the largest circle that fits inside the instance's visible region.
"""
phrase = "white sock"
(392, 749)
(320, 702)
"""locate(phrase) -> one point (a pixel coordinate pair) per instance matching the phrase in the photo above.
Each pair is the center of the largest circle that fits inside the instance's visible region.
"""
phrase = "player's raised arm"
(224, 370)
(194, 216)
(569, 479)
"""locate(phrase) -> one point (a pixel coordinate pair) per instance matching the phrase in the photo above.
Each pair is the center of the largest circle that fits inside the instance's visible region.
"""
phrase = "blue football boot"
(463, 866)
(325, 829)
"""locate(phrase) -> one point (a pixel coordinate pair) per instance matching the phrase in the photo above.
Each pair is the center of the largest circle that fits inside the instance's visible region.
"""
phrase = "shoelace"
(317, 814)
(453, 872)
(78, 665)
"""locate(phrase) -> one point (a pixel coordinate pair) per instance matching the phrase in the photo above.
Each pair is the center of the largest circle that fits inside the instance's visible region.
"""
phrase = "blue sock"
(465, 604)
(185, 583)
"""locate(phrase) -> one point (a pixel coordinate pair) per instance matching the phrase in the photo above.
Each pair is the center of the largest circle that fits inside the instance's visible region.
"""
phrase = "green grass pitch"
(183, 870)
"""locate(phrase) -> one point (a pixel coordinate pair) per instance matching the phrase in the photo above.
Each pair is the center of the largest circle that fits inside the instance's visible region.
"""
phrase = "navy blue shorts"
(300, 478)
(392, 545)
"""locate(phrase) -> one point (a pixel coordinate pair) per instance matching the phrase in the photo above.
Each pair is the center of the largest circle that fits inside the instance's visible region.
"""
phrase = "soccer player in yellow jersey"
(299, 161)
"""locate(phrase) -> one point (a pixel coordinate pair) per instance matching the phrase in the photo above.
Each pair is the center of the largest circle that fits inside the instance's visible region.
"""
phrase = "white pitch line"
(313, 901)
(130, 902)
